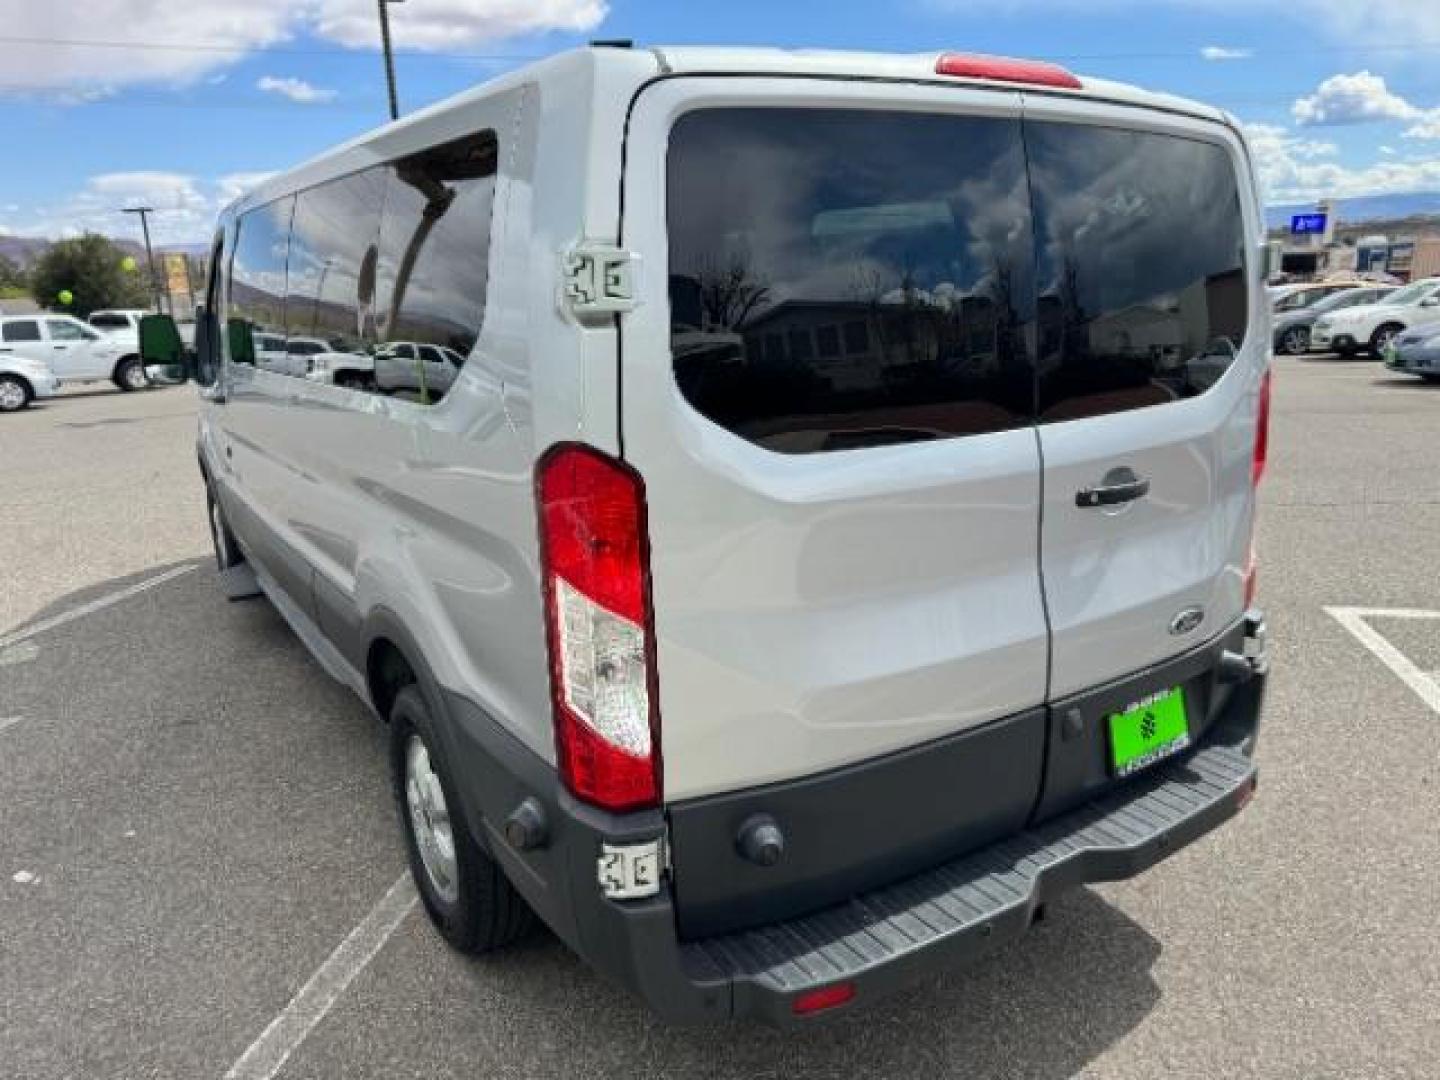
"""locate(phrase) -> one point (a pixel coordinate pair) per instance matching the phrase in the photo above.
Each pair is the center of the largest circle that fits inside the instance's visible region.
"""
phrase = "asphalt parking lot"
(194, 820)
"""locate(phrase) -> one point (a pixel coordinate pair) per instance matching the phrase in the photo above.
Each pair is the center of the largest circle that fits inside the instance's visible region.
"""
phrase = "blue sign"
(1307, 224)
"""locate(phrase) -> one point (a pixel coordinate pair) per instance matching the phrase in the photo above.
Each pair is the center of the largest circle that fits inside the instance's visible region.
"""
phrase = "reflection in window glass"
(65, 330)
(257, 285)
(434, 263)
(1140, 267)
(904, 236)
(330, 304)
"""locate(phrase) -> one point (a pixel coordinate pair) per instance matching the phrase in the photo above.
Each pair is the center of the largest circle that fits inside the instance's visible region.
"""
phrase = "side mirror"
(1430, 301)
(161, 347)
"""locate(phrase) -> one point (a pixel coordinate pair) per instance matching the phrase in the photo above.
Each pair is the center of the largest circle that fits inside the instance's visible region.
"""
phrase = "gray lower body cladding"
(895, 923)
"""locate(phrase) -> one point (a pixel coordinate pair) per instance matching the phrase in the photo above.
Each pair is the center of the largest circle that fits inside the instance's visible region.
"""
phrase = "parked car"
(417, 367)
(353, 370)
(121, 323)
(1292, 330)
(1297, 297)
(1416, 352)
(1374, 326)
(769, 693)
(77, 353)
(24, 379)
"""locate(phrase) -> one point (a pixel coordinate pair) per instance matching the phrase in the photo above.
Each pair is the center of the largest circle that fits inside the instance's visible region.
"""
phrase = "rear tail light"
(1262, 432)
(1006, 69)
(827, 997)
(595, 562)
(1257, 470)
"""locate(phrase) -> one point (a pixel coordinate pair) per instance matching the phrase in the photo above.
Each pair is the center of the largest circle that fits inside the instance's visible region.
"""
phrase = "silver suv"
(837, 540)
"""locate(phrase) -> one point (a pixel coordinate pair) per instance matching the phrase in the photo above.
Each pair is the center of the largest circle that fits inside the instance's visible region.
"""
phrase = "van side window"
(257, 276)
(330, 290)
(434, 261)
(850, 278)
(1141, 267)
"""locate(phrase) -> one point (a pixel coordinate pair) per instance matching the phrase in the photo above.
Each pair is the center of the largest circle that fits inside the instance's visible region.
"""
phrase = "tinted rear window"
(847, 278)
(850, 278)
(1140, 264)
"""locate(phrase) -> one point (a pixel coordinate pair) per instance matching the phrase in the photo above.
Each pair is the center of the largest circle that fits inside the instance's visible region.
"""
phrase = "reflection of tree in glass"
(731, 293)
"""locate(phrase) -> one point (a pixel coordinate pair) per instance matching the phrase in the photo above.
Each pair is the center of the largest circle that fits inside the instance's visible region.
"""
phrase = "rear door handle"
(1119, 486)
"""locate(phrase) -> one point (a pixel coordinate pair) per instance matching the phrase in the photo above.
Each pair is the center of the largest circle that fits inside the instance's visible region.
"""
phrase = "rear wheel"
(1295, 341)
(469, 899)
(14, 393)
(1383, 336)
(130, 375)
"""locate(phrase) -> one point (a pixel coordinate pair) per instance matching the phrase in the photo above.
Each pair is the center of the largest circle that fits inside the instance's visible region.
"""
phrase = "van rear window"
(851, 278)
(846, 278)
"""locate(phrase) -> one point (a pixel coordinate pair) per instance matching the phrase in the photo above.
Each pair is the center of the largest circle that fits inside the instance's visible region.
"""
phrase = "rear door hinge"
(599, 281)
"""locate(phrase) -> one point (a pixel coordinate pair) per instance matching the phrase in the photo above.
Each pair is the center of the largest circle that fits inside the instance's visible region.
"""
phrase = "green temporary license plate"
(1148, 731)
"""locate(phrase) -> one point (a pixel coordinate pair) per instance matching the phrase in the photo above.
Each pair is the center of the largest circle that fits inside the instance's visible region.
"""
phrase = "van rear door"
(827, 390)
(1152, 345)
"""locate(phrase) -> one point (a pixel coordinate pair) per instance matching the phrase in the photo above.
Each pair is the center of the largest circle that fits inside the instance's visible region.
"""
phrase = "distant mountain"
(1362, 208)
(24, 250)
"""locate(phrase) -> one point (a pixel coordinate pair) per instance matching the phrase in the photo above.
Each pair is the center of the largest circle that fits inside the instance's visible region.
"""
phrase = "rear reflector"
(1006, 69)
(595, 561)
(827, 997)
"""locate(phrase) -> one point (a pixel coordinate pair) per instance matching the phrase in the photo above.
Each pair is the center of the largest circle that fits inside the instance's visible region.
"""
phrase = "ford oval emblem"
(1187, 620)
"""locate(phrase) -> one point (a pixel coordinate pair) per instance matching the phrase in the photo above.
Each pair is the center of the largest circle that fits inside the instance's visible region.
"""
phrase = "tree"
(10, 274)
(90, 269)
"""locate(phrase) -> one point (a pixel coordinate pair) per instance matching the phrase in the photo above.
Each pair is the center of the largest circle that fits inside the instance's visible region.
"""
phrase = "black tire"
(1294, 341)
(485, 912)
(130, 375)
(15, 393)
(227, 551)
(1382, 336)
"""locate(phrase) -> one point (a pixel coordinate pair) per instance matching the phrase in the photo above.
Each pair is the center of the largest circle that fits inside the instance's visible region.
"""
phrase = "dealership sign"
(1307, 224)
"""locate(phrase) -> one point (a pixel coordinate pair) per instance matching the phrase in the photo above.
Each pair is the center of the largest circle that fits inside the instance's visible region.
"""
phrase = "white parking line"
(268, 1054)
(7, 722)
(90, 608)
(1354, 620)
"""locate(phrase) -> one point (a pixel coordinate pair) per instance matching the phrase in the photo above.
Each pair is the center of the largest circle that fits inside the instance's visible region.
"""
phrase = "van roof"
(618, 72)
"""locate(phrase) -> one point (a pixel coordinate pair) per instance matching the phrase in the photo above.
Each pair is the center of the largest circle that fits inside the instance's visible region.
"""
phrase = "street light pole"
(389, 56)
(145, 212)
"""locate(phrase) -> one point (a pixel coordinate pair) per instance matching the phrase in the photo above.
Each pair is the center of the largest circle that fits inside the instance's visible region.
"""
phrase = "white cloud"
(1352, 99)
(1225, 52)
(185, 207)
(447, 25)
(297, 90)
(1295, 169)
(1428, 128)
(1387, 150)
(195, 39)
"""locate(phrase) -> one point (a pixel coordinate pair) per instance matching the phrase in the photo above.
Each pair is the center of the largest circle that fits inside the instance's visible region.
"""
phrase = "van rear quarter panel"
(428, 513)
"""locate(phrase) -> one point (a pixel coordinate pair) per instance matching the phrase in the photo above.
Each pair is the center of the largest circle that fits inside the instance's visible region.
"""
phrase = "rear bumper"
(882, 938)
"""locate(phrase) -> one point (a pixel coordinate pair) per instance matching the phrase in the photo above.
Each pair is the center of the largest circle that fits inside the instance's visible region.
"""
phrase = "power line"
(269, 50)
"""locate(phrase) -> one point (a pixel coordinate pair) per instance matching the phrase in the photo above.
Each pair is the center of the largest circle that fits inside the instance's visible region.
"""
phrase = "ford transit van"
(835, 539)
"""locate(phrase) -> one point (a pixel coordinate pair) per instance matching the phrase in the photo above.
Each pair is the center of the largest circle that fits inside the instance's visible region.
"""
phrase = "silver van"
(837, 541)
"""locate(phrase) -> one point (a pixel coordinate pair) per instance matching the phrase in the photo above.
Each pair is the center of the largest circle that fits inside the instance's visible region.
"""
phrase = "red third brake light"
(1006, 69)
(595, 562)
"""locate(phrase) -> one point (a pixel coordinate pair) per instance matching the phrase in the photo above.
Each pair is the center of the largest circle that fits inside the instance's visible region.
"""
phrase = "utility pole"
(389, 56)
(145, 212)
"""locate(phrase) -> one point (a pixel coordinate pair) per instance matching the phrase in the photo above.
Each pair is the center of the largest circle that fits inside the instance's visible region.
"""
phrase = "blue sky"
(105, 102)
